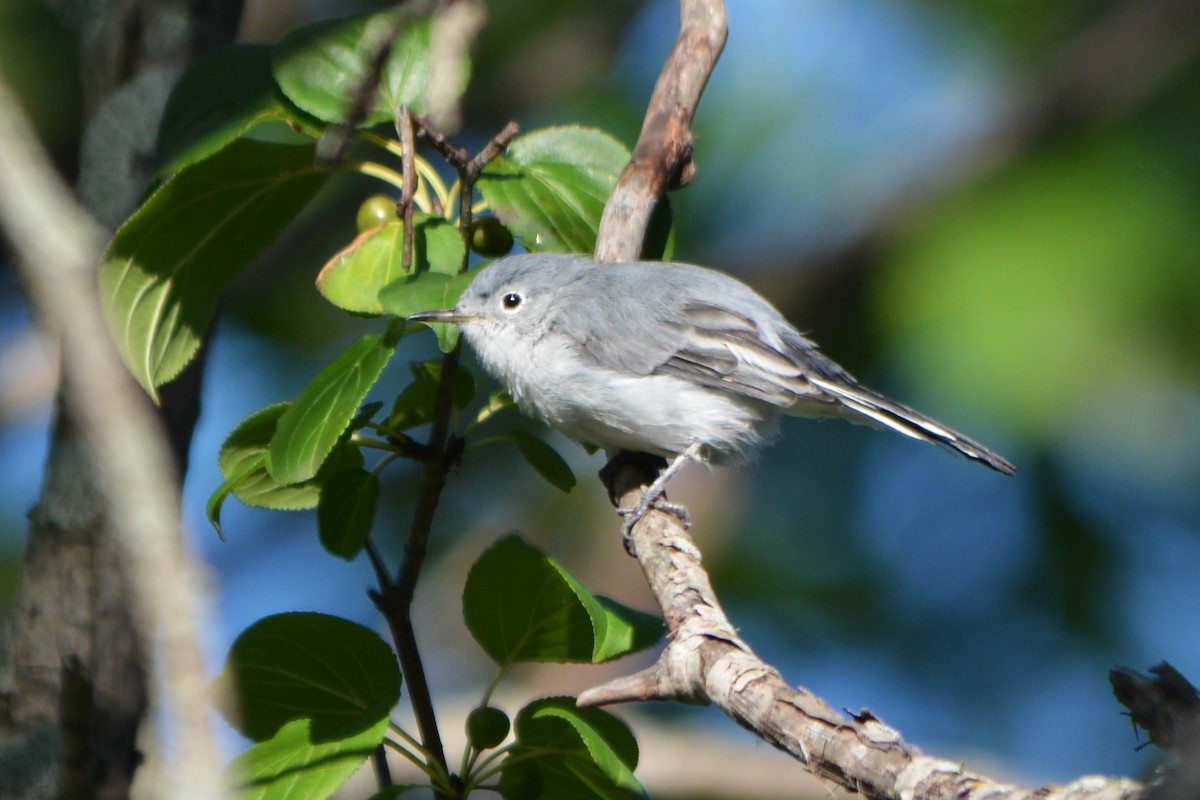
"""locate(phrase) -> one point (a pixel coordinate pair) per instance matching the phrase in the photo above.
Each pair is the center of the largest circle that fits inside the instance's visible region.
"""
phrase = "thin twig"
(395, 596)
(409, 190)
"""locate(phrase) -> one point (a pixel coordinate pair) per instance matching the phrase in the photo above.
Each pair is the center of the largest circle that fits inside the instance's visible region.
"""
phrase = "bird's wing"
(715, 346)
(711, 346)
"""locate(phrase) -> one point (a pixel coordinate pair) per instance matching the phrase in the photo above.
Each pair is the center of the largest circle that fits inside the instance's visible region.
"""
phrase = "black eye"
(510, 301)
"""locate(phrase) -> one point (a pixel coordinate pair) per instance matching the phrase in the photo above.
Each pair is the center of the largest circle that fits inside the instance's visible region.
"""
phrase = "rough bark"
(76, 683)
(706, 661)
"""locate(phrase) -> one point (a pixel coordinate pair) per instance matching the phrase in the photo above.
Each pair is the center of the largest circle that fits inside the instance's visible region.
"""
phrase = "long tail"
(903, 419)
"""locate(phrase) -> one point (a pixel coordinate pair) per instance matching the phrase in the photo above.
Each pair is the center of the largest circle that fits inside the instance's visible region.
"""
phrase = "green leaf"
(347, 511)
(306, 666)
(311, 426)
(580, 752)
(352, 279)
(166, 267)
(626, 630)
(520, 605)
(294, 765)
(414, 405)
(543, 458)
(221, 96)
(551, 186)
(427, 291)
(321, 67)
(243, 463)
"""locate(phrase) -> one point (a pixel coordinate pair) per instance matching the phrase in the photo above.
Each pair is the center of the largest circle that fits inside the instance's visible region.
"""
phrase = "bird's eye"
(511, 301)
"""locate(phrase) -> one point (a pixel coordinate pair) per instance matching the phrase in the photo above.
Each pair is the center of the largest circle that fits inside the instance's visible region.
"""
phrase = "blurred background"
(990, 211)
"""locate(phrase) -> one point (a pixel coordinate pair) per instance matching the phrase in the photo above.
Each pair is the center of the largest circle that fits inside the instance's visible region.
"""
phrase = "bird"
(664, 358)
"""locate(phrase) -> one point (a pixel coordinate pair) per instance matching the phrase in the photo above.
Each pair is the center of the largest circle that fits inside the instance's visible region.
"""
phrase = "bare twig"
(123, 438)
(705, 660)
(395, 596)
(409, 170)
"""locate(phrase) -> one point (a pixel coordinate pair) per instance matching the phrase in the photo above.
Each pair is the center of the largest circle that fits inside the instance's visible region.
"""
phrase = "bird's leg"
(654, 496)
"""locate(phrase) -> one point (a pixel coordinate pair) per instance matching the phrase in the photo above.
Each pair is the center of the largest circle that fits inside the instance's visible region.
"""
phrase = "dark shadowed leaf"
(220, 97)
(347, 511)
(321, 66)
(543, 458)
(521, 605)
(580, 753)
(414, 405)
(307, 666)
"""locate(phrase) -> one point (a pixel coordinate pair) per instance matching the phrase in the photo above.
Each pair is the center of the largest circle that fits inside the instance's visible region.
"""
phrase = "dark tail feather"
(905, 420)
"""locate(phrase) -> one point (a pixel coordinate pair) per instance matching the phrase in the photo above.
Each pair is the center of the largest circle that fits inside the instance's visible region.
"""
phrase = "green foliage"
(320, 67)
(243, 463)
(335, 673)
(353, 278)
(543, 458)
(315, 692)
(165, 269)
(238, 161)
(550, 189)
(415, 405)
(295, 765)
(310, 426)
(594, 754)
(347, 511)
(221, 97)
(521, 605)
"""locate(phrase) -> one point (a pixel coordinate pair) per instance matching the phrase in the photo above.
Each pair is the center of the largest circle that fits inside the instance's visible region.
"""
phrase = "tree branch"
(705, 660)
(663, 155)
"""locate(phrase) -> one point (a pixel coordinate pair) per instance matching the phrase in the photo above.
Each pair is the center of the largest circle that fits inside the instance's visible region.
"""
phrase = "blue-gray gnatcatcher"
(668, 359)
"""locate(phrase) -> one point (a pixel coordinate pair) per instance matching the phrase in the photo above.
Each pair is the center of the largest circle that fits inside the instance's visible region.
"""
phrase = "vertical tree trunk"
(76, 683)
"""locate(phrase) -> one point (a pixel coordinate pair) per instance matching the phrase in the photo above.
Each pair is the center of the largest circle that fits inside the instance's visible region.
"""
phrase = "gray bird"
(669, 359)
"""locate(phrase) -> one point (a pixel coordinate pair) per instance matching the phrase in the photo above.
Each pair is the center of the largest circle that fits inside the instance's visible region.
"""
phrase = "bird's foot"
(655, 498)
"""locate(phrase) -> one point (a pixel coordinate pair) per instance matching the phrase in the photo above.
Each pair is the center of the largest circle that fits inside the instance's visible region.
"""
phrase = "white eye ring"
(511, 301)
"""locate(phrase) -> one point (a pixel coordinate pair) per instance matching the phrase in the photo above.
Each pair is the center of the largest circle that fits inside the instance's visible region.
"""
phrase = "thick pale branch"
(705, 660)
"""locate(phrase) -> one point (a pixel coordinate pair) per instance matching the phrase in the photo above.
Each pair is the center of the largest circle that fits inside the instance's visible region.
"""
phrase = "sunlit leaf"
(353, 278)
(166, 267)
(321, 67)
(313, 423)
(295, 765)
(550, 187)
(243, 463)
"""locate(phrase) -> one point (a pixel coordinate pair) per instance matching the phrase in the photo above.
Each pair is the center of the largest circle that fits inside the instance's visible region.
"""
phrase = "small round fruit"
(489, 238)
(487, 726)
(376, 210)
